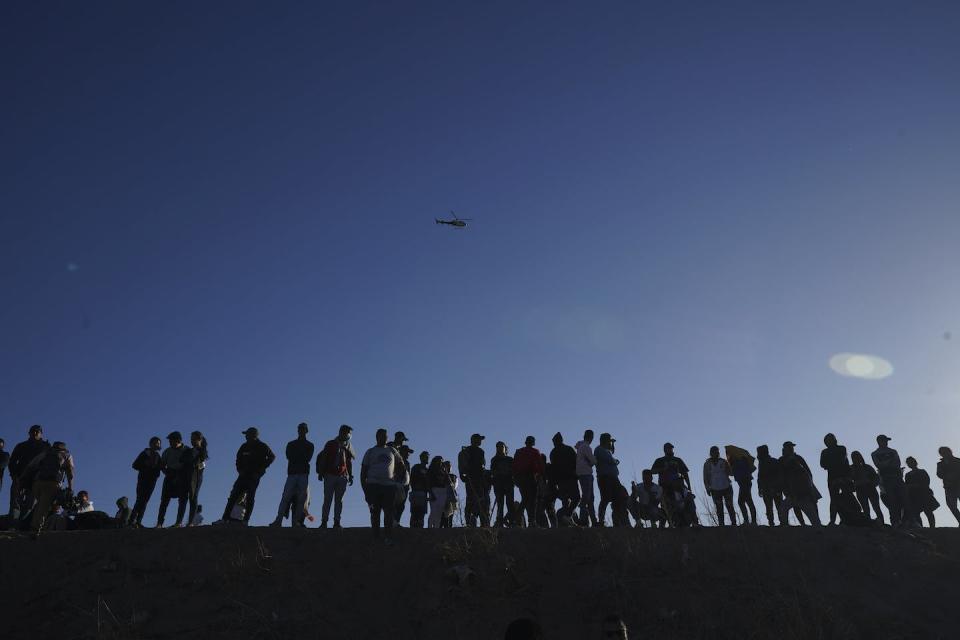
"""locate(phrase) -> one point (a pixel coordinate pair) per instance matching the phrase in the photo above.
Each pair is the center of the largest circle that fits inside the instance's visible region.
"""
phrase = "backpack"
(52, 464)
(332, 460)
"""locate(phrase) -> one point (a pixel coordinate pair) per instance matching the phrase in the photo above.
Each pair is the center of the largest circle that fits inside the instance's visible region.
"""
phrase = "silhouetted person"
(743, 467)
(523, 629)
(645, 498)
(254, 457)
(123, 513)
(4, 460)
(377, 478)
(770, 484)
(613, 628)
(865, 482)
(798, 485)
(608, 479)
(546, 496)
(848, 507)
(919, 496)
(716, 478)
(563, 462)
(48, 469)
(419, 491)
(586, 461)
(948, 470)
(171, 462)
(148, 466)
(887, 462)
(453, 501)
(501, 471)
(399, 438)
(296, 489)
(673, 475)
(194, 462)
(527, 467)
(335, 470)
(472, 463)
(834, 460)
(439, 493)
(21, 480)
(401, 476)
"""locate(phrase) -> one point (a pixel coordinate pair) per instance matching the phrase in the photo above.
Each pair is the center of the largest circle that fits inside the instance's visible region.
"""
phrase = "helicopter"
(456, 222)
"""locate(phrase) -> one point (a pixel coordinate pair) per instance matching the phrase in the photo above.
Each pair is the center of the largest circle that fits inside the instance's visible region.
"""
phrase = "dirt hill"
(215, 582)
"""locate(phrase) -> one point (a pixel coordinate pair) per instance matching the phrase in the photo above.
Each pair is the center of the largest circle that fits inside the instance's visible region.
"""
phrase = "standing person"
(21, 480)
(439, 482)
(742, 466)
(377, 471)
(419, 491)
(453, 500)
(865, 482)
(798, 485)
(887, 462)
(254, 457)
(148, 466)
(4, 460)
(919, 496)
(48, 470)
(586, 461)
(716, 479)
(472, 464)
(173, 486)
(335, 471)
(402, 477)
(948, 470)
(296, 490)
(672, 472)
(546, 496)
(608, 473)
(563, 462)
(399, 438)
(770, 484)
(528, 466)
(834, 460)
(501, 469)
(194, 462)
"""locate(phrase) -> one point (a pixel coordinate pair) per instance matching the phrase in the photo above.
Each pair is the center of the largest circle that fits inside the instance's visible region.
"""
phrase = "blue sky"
(681, 212)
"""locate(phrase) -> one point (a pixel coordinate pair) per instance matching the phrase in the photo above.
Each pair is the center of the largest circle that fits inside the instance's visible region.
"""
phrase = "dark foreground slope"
(265, 583)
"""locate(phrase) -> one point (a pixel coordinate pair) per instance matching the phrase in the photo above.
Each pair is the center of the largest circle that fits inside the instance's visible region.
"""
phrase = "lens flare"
(861, 365)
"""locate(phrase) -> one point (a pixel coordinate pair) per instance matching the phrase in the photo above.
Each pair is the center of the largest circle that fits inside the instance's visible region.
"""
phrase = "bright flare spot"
(861, 365)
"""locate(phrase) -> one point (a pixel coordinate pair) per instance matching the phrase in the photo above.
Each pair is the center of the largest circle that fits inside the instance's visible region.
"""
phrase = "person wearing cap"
(563, 471)
(335, 471)
(528, 465)
(716, 480)
(419, 491)
(399, 438)
(948, 470)
(21, 481)
(378, 480)
(586, 461)
(296, 490)
(887, 462)
(171, 463)
(834, 460)
(798, 485)
(471, 464)
(501, 470)
(254, 457)
(148, 466)
(672, 472)
(608, 476)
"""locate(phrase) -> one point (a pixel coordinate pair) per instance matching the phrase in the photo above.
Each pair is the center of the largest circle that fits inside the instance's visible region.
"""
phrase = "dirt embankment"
(276, 584)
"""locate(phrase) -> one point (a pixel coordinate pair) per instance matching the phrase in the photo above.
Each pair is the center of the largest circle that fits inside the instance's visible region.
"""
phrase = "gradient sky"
(221, 215)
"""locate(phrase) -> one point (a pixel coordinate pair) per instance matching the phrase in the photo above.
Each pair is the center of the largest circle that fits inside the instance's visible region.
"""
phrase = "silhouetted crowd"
(529, 488)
